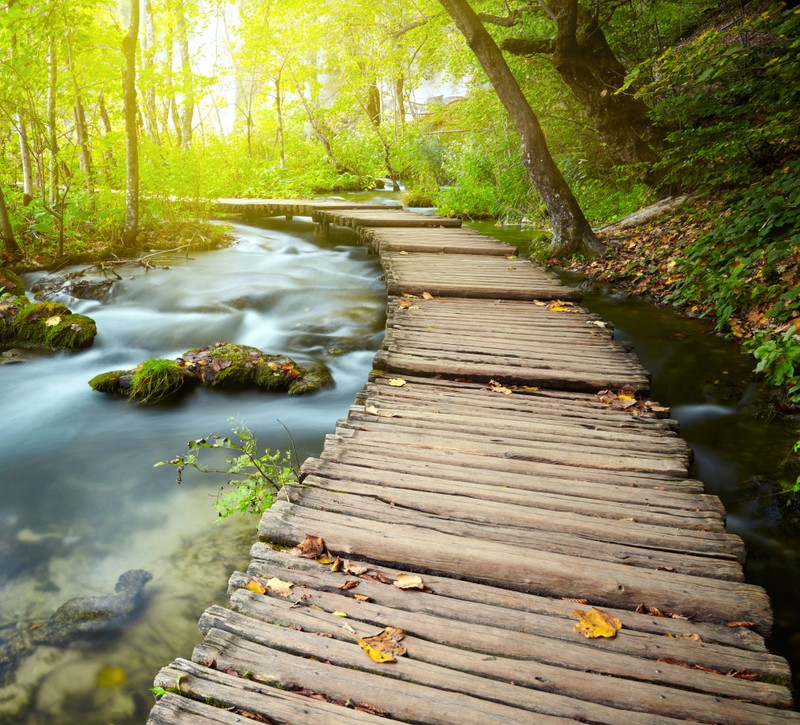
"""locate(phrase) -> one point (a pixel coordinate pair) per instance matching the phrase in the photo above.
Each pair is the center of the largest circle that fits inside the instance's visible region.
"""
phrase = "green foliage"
(255, 478)
(779, 358)
(729, 99)
(156, 380)
(748, 256)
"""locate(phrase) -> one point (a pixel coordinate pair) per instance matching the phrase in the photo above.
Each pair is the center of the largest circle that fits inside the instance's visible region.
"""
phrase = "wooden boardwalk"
(483, 489)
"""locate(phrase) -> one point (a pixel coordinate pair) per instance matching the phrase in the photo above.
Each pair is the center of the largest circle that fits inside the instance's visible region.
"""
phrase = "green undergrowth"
(254, 479)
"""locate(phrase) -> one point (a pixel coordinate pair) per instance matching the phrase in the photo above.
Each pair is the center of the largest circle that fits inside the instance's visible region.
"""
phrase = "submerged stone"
(224, 364)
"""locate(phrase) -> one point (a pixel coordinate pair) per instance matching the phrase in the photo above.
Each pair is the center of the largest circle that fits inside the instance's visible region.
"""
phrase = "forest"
(108, 113)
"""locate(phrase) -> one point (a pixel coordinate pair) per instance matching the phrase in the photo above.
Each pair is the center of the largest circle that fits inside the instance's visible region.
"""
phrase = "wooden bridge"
(496, 477)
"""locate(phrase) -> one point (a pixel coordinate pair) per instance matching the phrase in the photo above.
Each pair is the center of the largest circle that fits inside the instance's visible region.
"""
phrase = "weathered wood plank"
(199, 683)
(604, 689)
(402, 700)
(551, 574)
(470, 593)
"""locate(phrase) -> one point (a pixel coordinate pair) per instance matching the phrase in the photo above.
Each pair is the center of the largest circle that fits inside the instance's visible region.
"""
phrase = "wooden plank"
(433, 241)
(587, 687)
(269, 559)
(428, 514)
(173, 709)
(552, 574)
(239, 693)
(400, 699)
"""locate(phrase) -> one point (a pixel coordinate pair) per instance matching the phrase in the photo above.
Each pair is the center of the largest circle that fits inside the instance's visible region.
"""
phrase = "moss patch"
(111, 382)
(52, 326)
(157, 380)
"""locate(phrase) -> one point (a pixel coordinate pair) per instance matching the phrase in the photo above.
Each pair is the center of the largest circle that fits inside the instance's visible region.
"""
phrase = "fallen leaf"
(339, 614)
(279, 587)
(530, 388)
(361, 597)
(310, 547)
(596, 623)
(406, 304)
(349, 584)
(385, 646)
(336, 564)
(577, 601)
(110, 677)
(347, 628)
(256, 586)
(52, 321)
(396, 382)
(372, 410)
(403, 252)
(427, 296)
(739, 624)
(409, 581)
(495, 387)
(350, 568)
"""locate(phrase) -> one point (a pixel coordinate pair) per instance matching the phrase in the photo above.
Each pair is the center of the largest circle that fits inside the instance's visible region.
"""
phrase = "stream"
(82, 502)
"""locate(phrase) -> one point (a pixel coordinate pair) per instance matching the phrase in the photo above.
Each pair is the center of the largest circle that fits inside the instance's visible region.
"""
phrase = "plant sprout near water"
(255, 479)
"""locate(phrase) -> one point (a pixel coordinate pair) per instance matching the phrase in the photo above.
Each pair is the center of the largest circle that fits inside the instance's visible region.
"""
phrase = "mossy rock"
(224, 364)
(11, 283)
(52, 325)
(314, 378)
(9, 309)
(114, 381)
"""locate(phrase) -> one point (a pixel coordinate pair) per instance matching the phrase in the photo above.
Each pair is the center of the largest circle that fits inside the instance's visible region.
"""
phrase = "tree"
(7, 231)
(131, 228)
(571, 231)
(583, 58)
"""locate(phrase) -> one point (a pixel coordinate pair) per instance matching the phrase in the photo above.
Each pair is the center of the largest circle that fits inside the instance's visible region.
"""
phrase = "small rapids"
(81, 500)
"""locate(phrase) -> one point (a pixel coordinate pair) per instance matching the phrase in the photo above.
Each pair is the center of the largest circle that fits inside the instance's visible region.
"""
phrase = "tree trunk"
(399, 102)
(571, 231)
(279, 113)
(25, 155)
(80, 125)
(131, 228)
(108, 155)
(583, 58)
(319, 129)
(187, 79)
(52, 134)
(374, 103)
(148, 51)
(7, 231)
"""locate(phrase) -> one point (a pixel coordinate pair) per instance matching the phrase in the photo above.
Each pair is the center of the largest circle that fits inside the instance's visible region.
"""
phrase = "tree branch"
(524, 46)
(505, 22)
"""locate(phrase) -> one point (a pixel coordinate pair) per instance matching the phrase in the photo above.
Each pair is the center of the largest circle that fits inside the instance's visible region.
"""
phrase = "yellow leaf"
(409, 581)
(279, 587)
(495, 387)
(596, 623)
(340, 614)
(256, 586)
(52, 321)
(403, 252)
(427, 296)
(532, 388)
(385, 646)
(361, 597)
(372, 410)
(396, 382)
(110, 677)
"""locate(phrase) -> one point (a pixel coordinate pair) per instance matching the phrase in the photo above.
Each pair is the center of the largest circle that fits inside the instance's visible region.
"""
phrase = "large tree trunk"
(374, 103)
(584, 60)
(571, 231)
(131, 228)
(7, 231)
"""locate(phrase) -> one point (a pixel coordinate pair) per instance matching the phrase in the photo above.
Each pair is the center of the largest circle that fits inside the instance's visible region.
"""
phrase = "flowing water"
(80, 500)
